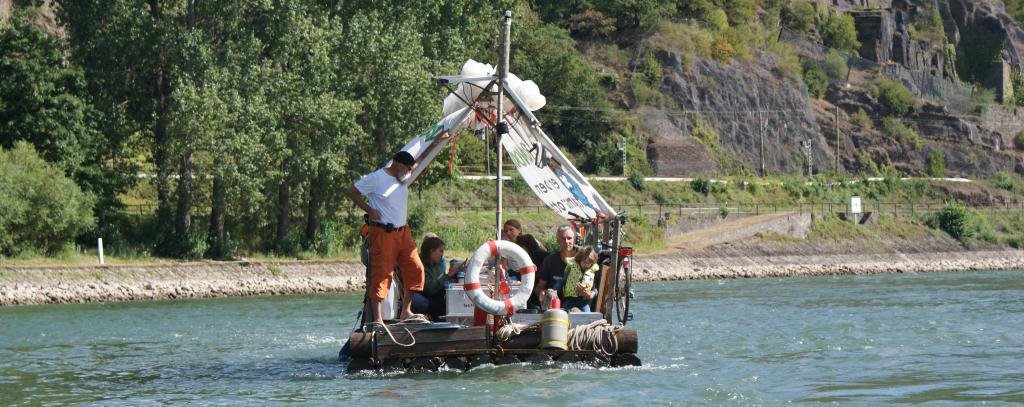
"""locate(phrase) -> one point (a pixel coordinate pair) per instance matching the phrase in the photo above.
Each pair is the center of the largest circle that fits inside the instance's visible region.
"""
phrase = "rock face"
(748, 106)
(751, 105)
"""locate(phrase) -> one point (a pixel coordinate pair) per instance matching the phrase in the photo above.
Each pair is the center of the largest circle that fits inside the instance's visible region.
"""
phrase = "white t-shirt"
(385, 194)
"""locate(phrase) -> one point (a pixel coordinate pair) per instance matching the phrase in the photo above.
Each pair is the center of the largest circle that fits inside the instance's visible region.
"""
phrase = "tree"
(840, 32)
(578, 117)
(636, 13)
(41, 210)
(815, 78)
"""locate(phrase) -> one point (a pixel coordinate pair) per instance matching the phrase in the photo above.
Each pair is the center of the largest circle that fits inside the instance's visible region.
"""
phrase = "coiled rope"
(414, 319)
(598, 336)
(509, 330)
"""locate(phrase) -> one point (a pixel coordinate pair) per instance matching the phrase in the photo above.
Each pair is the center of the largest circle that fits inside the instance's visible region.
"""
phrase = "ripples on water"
(847, 340)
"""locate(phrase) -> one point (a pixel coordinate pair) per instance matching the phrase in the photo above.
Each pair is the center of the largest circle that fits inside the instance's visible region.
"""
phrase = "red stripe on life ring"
(494, 248)
(470, 286)
(527, 270)
(508, 307)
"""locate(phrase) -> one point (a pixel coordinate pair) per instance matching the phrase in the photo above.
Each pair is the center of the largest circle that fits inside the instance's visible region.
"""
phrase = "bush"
(701, 185)
(1018, 141)
(861, 119)
(839, 32)
(936, 163)
(650, 69)
(1003, 180)
(41, 210)
(835, 66)
(637, 181)
(895, 97)
(896, 130)
(816, 80)
(800, 16)
(955, 219)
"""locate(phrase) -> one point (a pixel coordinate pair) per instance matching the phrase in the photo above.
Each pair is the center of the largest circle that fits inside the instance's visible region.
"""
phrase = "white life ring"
(518, 260)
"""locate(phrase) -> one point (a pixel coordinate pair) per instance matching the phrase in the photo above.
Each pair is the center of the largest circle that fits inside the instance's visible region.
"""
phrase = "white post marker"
(855, 204)
(99, 247)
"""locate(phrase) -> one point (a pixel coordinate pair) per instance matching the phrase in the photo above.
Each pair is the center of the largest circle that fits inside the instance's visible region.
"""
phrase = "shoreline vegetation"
(25, 285)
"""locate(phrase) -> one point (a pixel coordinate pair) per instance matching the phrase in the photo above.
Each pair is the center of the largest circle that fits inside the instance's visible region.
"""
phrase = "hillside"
(915, 82)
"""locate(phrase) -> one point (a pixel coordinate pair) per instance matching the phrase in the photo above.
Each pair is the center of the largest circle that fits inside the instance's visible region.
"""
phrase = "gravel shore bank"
(54, 285)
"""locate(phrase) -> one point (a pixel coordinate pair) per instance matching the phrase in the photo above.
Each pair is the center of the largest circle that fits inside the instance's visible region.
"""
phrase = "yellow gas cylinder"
(554, 327)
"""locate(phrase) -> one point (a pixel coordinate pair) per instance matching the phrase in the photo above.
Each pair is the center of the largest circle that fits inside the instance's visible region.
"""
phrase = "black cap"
(403, 157)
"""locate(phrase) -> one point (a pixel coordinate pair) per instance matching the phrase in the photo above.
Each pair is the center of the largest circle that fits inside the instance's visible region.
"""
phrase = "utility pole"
(806, 144)
(760, 122)
(622, 147)
(837, 138)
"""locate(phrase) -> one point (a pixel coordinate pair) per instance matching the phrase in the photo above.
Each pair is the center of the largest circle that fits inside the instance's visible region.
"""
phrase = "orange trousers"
(388, 249)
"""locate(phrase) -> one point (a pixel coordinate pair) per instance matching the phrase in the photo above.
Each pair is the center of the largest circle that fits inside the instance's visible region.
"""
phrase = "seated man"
(551, 273)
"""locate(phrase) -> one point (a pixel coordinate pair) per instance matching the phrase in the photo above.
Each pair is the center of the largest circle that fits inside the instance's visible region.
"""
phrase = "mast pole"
(501, 127)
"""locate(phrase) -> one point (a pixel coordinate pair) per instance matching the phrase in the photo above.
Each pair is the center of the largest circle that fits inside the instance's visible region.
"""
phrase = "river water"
(850, 340)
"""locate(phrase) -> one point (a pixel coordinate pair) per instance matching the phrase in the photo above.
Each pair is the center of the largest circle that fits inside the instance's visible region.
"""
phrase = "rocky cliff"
(761, 114)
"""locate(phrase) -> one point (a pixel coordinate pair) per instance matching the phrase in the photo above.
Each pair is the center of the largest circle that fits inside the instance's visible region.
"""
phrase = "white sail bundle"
(473, 105)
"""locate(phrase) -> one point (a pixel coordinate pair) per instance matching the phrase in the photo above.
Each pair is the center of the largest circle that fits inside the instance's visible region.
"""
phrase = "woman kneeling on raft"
(437, 272)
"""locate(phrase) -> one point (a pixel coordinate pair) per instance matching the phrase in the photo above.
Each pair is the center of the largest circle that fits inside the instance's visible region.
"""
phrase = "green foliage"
(554, 62)
(955, 219)
(1018, 141)
(591, 24)
(718, 20)
(979, 57)
(800, 16)
(936, 164)
(637, 181)
(839, 32)
(636, 13)
(1015, 8)
(861, 119)
(930, 27)
(815, 78)
(1004, 180)
(835, 66)
(981, 98)
(1017, 85)
(701, 185)
(896, 98)
(41, 210)
(650, 69)
(896, 130)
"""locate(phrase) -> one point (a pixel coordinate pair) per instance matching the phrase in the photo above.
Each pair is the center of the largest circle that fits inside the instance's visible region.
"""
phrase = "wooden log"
(360, 345)
(358, 365)
(455, 362)
(428, 343)
(625, 359)
(505, 359)
(628, 341)
(627, 338)
(538, 358)
(477, 360)
(421, 365)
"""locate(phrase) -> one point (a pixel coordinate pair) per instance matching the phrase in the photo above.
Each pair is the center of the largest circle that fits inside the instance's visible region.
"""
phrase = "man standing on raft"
(389, 238)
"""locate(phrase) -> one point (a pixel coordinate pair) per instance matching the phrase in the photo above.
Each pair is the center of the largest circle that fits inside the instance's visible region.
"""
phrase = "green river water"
(859, 340)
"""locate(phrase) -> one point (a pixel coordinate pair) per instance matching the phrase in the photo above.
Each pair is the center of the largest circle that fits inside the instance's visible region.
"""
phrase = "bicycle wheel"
(623, 277)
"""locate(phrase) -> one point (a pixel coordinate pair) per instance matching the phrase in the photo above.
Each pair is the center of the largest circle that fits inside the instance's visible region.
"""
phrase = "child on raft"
(579, 271)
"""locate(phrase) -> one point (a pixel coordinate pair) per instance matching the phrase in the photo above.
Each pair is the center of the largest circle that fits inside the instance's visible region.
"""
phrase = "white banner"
(550, 174)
